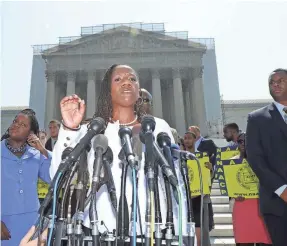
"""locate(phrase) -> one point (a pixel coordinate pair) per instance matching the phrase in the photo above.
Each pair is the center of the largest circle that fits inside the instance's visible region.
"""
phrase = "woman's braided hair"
(104, 105)
(34, 125)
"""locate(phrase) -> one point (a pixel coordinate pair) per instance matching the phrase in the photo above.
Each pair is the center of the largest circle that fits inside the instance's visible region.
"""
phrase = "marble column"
(71, 83)
(178, 102)
(192, 104)
(50, 96)
(156, 94)
(91, 94)
(198, 100)
(188, 110)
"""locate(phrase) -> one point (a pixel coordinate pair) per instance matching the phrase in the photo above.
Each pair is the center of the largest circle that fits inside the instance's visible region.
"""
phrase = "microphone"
(107, 161)
(125, 135)
(165, 167)
(100, 146)
(146, 137)
(164, 142)
(43, 225)
(96, 126)
(181, 154)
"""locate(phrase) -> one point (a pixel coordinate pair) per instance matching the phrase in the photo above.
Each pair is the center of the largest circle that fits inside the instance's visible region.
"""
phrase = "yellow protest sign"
(236, 178)
(227, 153)
(193, 174)
(42, 189)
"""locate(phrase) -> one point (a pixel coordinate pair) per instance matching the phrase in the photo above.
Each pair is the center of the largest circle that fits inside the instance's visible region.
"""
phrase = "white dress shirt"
(280, 108)
(104, 208)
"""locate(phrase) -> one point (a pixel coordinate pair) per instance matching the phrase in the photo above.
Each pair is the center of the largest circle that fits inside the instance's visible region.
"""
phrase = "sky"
(250, 36)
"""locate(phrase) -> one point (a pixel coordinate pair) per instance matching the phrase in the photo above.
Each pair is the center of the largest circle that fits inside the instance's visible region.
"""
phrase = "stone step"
(215, 185)
(220, 199)
(228, 241)
(215, 192)
(222, 218)
(221, 208)
(222, 231)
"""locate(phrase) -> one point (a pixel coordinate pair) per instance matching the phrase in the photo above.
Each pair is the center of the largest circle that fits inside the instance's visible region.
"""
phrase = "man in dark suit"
(208, 146)
(266, 146)
(54, 127)
(204, 145)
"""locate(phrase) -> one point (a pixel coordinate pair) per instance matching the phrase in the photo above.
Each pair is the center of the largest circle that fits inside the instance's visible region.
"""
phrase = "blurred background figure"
(146, 100)
(54, 127)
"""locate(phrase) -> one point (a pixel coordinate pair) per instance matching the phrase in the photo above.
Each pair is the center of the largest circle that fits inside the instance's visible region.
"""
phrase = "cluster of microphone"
(64, 217)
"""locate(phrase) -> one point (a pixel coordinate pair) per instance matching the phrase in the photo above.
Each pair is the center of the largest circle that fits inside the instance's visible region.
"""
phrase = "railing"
(178, 35)
(39, 49)
(152, 27)
(63, 40)
(208, 42)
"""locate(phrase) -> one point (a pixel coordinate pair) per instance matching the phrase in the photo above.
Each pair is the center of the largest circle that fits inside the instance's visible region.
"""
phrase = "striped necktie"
(285, 114)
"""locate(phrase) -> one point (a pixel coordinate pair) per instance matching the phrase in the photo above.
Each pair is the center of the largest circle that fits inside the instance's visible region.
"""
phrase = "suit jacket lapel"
(278, 119)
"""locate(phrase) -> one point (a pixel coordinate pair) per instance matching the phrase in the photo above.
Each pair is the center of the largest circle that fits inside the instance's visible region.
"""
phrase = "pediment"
(131, 40)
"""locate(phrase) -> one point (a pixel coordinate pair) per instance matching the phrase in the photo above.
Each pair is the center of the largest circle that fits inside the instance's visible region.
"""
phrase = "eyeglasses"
(146, 100)
(278, 82)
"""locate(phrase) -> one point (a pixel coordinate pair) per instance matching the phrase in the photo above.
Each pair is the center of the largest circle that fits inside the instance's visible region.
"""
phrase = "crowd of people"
(27, 155)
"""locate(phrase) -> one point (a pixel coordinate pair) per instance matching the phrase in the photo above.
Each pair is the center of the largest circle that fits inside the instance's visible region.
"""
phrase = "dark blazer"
(207, 145)
(48, 145)
(266, 146)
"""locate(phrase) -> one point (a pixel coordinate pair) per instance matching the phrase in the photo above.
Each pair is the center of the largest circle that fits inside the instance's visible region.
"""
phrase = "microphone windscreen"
(97, 124)
(162, 138)
(101, 141)
(66, 152)
(123, 131)
(148, 121)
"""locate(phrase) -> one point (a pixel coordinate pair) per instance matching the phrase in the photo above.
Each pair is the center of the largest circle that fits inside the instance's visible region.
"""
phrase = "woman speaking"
(119, 104)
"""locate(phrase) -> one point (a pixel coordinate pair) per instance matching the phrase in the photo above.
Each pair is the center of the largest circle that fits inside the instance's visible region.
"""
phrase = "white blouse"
(104, 208)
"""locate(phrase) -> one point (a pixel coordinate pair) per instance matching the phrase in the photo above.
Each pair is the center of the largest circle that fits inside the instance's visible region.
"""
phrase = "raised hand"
(72, 110)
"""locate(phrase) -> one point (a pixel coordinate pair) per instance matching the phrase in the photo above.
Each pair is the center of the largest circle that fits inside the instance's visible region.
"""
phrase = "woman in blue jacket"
(23, 160)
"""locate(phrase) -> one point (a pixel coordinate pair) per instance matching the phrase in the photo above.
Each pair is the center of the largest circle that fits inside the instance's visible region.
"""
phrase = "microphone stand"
(169, 213)
(190, 215)
(81, 191)
(123, 213)
(133, 215)
(158, 218)
(100, 147)
(70, 229)
(149, 170)
(60, 222)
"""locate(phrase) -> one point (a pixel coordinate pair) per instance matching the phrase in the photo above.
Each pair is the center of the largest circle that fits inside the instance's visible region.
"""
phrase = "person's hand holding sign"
(208, 165)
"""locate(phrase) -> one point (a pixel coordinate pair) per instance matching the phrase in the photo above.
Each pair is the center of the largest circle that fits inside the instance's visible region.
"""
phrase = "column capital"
(176, 73)
(71, 75)
(50, 75)
(155, 74)
(92, 75)
(197, 72)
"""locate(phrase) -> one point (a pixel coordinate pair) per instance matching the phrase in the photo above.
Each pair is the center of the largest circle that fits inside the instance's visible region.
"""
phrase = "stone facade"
(169, 67)
(237, 110)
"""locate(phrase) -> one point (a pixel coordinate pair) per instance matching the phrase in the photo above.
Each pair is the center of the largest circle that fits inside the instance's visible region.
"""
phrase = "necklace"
(15, 150)
(130, 123)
